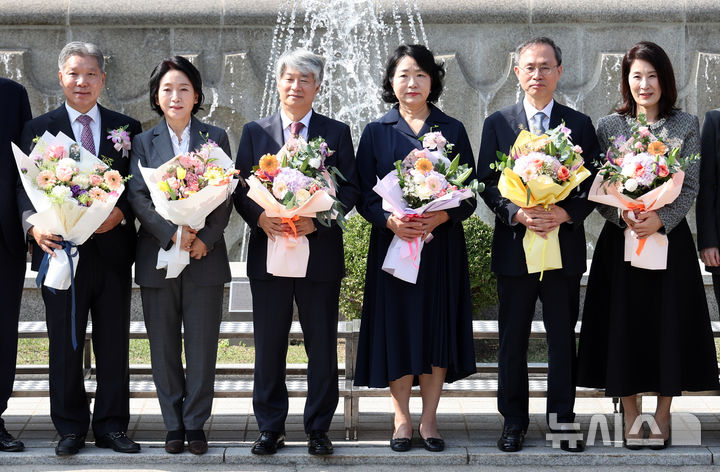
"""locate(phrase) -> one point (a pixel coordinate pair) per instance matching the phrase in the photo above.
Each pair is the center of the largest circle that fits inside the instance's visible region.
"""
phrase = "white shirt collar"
(286, 121)
(93, 113)
(531, 111)
(180, 146)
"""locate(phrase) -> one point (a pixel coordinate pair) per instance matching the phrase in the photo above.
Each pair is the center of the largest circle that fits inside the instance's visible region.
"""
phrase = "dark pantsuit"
(185, 397)
(12, 276)
(106, 294)
(559, 296)
(317, 304)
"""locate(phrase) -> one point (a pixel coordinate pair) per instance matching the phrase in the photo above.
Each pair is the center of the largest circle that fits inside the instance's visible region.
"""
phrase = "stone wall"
(230, 42)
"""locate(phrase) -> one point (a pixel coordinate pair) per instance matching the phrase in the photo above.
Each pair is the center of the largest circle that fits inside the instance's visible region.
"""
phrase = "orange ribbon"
(638, 207)
(290, 221)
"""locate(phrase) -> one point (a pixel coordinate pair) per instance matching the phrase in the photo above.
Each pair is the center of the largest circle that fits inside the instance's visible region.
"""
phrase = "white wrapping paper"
(73, 222)
(403, 258)
(190, 211)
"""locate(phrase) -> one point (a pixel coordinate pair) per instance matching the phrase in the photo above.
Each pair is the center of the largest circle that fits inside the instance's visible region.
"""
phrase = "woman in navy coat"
(414, 333)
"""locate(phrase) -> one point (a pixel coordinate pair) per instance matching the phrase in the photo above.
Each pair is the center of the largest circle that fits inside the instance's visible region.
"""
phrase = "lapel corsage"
(121, 139)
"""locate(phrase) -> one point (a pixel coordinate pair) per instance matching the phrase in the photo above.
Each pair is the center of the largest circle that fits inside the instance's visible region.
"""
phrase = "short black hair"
(649, 52)
(183, 65)
(425, 60)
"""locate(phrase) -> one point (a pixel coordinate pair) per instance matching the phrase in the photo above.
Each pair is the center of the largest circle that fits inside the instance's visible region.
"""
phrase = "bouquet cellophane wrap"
(402, 259)
(190, 211)
(75, 223)
(540, 254)
(649, 253)
(288, 256)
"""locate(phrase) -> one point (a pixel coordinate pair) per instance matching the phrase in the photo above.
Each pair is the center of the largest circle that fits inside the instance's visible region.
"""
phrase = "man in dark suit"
(102, 281)
(538, 69)
(299, 75)
(707, 208)
(16, 111)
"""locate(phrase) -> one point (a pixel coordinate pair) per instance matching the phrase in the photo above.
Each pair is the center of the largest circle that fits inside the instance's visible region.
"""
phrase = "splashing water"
(354, 40)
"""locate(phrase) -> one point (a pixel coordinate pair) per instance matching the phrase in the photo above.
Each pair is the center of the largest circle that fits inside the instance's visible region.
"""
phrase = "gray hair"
(79, 48)
(536, 41)
(302, 60)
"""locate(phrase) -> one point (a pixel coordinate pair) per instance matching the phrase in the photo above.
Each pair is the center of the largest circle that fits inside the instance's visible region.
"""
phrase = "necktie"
(295, 128)
(86, 137)
(536, 127)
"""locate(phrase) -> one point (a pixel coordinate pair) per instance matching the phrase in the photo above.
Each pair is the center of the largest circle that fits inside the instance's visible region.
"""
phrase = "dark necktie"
(295, 128)
(86, 137)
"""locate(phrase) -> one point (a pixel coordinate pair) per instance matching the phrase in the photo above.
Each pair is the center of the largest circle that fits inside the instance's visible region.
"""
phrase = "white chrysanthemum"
(81, 180)
(418, 177)
(67, 162)
(315, 162)
(631, 185)
(62, 191)
(424, 192)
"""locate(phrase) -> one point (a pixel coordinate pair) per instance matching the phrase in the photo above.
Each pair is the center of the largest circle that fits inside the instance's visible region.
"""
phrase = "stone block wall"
(230, 42)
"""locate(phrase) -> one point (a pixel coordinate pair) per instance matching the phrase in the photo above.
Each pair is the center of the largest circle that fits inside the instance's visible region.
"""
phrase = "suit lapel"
(162, 146)
(520, 121)
(196, 138)
(273, 128)
(61, 122)
(556, 115)
(106, 123)
(316, 128)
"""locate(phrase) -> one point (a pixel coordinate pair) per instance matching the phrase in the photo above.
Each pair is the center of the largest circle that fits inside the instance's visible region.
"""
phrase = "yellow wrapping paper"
(540, 254)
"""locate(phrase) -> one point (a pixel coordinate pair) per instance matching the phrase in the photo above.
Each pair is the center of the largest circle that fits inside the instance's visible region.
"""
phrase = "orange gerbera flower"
(423, 165)
(657, 148)
(269, 164)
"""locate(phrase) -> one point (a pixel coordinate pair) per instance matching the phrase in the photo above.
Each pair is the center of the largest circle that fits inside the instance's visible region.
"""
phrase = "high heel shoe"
(633, 444)
(656, 445)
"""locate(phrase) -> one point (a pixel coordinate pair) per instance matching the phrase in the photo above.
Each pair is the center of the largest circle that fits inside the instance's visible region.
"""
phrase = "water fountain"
(355, 40)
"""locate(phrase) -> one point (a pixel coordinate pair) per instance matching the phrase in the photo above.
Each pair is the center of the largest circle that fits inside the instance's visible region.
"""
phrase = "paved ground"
(470, 427)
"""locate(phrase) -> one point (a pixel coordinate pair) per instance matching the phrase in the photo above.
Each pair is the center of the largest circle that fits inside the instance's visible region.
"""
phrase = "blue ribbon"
(71, 251)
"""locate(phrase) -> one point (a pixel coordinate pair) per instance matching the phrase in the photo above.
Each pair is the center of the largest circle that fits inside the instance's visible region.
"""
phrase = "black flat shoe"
(8, 443)
(268, 443)
(118, 442)
(197, 442)
(319, 444)
(400, 444)
(511, 439)
(433, 444)
(70, 444)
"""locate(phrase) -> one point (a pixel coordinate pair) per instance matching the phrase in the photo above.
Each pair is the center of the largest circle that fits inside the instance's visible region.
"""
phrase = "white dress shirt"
(531, 111)
(182, 145)
(286, 122)
(77, 127)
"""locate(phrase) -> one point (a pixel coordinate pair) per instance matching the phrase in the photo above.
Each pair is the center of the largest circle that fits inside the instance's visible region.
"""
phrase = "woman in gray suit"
(194, 298)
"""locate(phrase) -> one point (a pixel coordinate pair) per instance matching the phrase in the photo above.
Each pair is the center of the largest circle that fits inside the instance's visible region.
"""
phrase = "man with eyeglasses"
(538, 68)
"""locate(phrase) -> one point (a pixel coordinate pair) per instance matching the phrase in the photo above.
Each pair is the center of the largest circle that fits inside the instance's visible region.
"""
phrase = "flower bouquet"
(185, 190)
(426, 180)
(291, 184)
(541, 170)
(641, 173)
(73, 192)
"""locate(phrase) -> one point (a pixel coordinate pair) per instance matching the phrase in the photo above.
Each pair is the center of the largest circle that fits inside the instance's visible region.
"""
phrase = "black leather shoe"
(175, 441)
(572, 446)
(8, 443)
(319, 444)
(511, 439)
(400, 444)
(70, 444)
(433, 444)
(118, 442)
(197, 442)
(268, 443)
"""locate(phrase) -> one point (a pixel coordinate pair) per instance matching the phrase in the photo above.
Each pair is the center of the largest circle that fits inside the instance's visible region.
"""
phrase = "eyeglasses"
(544, 70)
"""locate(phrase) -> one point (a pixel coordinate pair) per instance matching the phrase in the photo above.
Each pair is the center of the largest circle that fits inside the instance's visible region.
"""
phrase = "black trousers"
(559, 295)
(12, 276)
(103, 291)
(317, 304)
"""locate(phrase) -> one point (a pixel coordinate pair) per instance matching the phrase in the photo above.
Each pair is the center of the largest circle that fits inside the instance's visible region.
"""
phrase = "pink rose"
(95, 180)
(563, 173)
(644, 132)
(577, 149)
(55, 152)
(663, 170)
(64, 174)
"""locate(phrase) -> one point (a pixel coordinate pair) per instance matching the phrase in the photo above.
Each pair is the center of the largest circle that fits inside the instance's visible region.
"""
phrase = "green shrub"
(357, 238)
